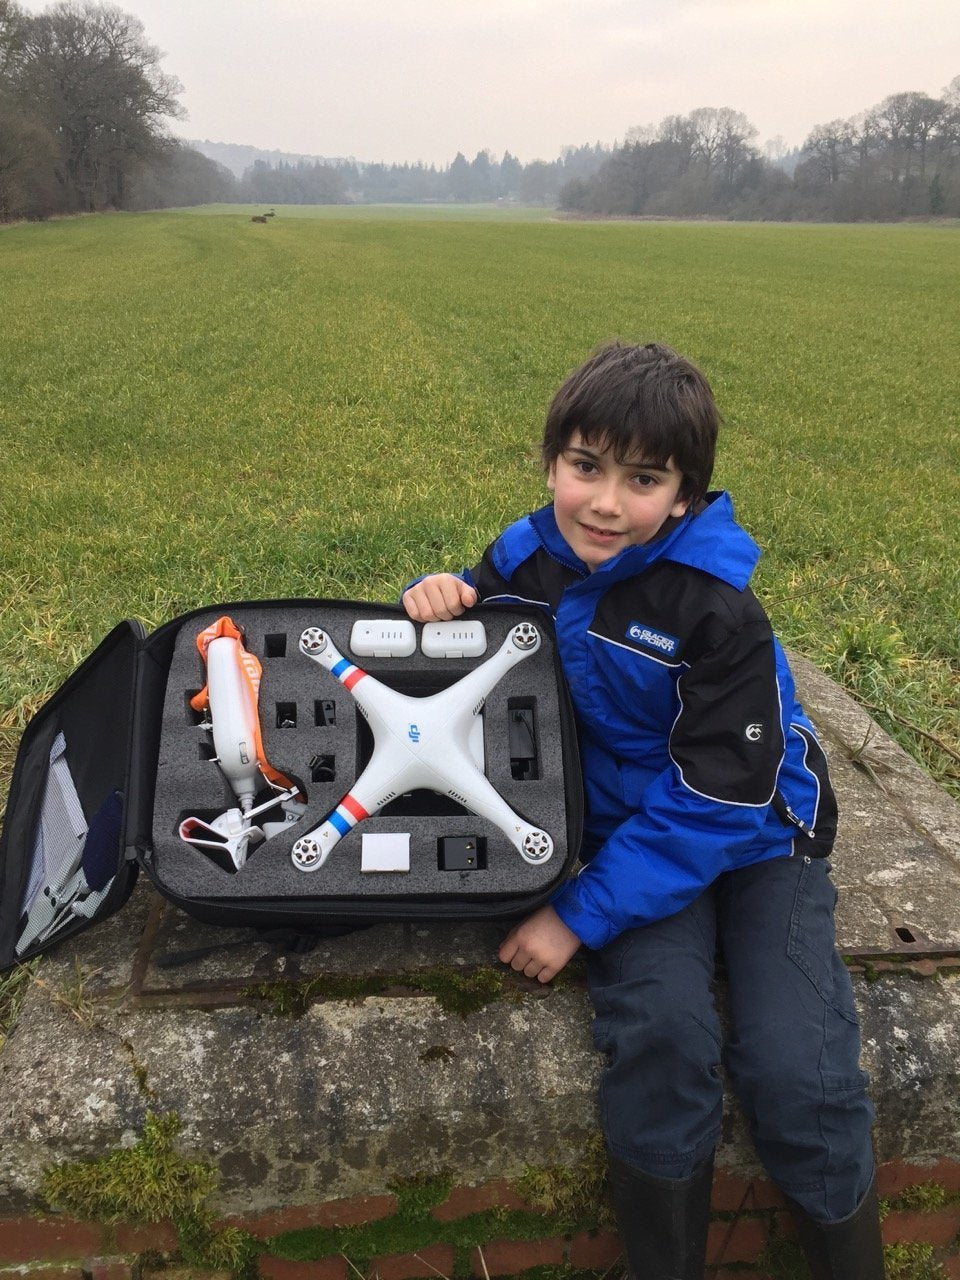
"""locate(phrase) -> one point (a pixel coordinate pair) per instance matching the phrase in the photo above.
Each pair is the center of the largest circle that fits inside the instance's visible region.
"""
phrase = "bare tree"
(720, 140)
(830, 150)
(642, 133)
(736, 136)
(927, 116)
(707, 136)
(27, 147)
(908, 122)
(13, 24)
(97, 84)
(680, 133)
(948, 139)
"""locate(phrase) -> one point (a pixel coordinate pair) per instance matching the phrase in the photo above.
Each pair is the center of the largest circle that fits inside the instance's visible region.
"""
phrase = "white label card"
(385, 851)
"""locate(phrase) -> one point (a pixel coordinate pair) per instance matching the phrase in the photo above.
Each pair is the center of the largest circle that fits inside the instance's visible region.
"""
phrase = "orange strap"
(252, 673)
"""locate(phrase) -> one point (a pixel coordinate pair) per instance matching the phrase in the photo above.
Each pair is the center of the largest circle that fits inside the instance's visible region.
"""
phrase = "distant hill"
(237, 157)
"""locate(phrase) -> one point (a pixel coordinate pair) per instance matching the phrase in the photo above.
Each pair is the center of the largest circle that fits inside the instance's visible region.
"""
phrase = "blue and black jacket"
(697, 757)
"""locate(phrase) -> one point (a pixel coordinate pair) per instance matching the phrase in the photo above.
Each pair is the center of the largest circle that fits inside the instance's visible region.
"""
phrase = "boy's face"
(602, 505)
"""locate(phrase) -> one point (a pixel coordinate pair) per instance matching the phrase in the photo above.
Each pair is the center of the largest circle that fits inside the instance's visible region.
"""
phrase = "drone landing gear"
(229, 838)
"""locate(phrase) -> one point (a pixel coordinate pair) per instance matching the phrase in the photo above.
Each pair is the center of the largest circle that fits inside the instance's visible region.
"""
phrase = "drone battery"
(454, 640)
(462, 853)
(385, 851)
(385, 638)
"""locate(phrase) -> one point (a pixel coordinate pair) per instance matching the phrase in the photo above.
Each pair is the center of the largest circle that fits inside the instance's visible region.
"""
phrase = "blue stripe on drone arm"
(340, 667)
(342, 824)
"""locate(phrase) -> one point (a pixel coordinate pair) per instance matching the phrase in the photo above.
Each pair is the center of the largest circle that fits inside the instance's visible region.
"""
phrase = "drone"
(421, 742)
(230, 699)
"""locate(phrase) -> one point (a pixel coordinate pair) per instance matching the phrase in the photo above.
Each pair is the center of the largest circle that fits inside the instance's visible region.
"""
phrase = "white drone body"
(421, 743)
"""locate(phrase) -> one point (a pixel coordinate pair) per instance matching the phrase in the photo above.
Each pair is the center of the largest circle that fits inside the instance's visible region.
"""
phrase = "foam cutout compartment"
(313, 732)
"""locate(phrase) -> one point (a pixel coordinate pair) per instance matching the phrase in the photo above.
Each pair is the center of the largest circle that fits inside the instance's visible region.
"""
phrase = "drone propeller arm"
(468, 695)
(378, 702)
(476, 793)
(371, 791)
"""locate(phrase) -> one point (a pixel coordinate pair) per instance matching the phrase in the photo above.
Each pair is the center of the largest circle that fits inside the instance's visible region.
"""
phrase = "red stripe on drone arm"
(355, 675)
(356, 811)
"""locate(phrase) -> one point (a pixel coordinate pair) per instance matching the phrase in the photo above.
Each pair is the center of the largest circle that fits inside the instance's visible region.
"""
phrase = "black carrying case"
(140, 762)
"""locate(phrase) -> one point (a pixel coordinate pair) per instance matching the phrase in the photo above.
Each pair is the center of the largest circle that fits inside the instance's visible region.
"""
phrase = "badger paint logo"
(657, 641)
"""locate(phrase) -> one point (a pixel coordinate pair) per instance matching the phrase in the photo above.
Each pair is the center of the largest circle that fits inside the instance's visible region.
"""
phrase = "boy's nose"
(606, 499)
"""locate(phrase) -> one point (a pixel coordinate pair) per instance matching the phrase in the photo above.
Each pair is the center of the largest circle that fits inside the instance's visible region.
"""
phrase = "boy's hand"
(438, 598)
(540, 945)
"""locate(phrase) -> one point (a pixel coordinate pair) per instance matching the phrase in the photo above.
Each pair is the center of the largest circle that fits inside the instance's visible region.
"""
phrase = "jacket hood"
(709, 540)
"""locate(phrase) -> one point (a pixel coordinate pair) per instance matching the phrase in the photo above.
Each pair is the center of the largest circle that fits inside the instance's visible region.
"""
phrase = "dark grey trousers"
(793, 1045)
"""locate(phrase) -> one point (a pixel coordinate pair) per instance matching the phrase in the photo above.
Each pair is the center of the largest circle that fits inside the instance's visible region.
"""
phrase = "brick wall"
(749, 1214)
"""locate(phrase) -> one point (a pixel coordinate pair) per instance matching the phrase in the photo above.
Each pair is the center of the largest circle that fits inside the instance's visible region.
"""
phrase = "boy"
(709, 820)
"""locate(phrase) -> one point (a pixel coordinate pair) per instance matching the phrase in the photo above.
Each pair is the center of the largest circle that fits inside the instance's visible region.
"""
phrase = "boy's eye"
(584, 466)
(645, 481)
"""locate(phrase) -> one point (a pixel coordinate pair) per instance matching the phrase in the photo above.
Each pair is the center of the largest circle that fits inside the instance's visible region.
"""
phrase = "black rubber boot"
(662, 1221)
(846, 1250)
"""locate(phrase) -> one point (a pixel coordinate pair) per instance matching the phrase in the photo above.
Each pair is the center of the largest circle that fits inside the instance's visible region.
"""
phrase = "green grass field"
(197, 409)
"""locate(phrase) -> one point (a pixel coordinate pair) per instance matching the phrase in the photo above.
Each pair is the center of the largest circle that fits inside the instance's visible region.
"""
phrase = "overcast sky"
(412, 80)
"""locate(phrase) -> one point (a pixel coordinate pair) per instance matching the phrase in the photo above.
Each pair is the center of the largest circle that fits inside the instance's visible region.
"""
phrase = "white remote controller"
(383, 638)
(454, 639)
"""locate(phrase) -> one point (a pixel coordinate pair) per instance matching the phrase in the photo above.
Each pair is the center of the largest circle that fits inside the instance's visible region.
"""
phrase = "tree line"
(899, 159)
(84, 104)
(480, 180)
(83, 101)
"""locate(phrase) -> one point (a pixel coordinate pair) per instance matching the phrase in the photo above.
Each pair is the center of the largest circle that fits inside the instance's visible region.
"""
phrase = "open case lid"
(62, 861)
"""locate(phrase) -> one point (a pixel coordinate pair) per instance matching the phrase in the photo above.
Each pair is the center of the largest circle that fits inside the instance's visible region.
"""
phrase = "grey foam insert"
(292, 692)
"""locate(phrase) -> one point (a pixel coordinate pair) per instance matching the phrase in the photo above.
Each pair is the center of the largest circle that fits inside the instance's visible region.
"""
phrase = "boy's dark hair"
(645, 400)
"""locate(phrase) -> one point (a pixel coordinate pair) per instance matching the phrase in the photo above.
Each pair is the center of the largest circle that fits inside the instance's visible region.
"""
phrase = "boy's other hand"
(540, 945)
(438, 598)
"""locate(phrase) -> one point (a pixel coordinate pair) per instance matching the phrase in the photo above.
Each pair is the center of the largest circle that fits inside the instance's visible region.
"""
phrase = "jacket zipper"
(798, 821)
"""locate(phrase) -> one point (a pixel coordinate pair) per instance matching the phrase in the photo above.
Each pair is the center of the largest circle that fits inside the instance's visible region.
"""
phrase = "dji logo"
(413, 732)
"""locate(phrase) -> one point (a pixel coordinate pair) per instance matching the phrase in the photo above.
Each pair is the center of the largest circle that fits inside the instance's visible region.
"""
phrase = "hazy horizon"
(420, 80)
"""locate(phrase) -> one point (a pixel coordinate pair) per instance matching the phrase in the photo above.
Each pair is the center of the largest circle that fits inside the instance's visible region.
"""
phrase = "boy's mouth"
(601, 535)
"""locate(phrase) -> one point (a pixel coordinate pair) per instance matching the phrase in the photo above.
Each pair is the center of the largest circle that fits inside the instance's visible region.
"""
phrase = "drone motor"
(536, 847)
(525, 636)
